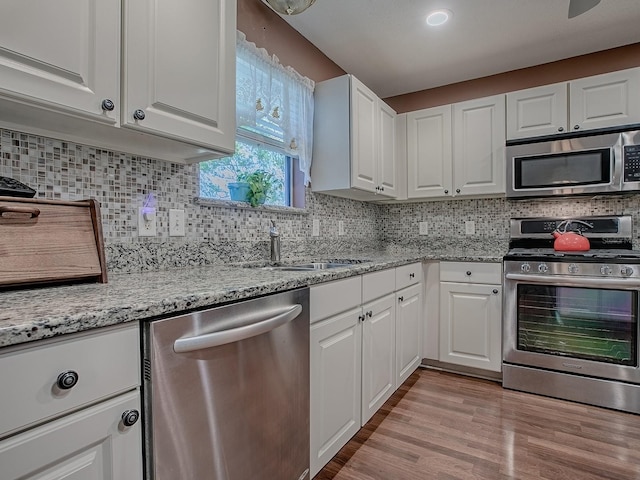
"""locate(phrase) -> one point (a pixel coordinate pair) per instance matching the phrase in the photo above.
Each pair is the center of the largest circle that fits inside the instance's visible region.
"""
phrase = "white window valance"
(274, 103)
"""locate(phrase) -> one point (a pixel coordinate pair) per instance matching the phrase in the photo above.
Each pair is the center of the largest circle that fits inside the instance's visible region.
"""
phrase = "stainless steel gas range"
(570, 319)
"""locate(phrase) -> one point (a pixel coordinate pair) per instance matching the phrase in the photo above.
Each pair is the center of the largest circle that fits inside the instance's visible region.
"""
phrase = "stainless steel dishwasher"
(226, 392)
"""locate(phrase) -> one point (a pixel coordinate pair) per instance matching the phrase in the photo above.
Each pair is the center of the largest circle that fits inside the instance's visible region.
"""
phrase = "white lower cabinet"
(408, 332)
(92, 444)
(378, 354)
(73, 409)
(336, 345)
(470, 315)
(354, 351)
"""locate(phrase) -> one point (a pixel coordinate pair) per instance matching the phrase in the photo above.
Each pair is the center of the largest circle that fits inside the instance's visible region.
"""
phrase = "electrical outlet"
(470, 227)
(422, 228)
(340, 227)
(146, 222)
(315, 229)
(176, 223)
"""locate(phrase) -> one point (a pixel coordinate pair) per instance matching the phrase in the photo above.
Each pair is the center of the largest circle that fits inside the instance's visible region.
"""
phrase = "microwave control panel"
(631, 163)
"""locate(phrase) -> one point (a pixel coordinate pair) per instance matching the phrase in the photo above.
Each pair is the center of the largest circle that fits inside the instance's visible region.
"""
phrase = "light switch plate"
(146, 222)
(340, 227)
(176, 223)
(315, 229)
(469, 227)
(422, 228)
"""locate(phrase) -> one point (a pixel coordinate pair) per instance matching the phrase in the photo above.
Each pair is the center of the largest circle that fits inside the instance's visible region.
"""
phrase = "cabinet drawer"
(471, 272)
(328, 299)
(106, 363)
(408, 275)
(378, 284)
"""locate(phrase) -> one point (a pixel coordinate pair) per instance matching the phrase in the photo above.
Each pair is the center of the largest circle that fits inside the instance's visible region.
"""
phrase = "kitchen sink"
(309, 266)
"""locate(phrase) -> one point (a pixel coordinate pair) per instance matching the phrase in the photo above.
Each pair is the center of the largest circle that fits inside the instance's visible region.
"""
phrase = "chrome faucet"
(275, 242)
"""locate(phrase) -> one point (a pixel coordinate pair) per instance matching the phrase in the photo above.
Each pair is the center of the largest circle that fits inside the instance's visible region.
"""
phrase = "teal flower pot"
(238, 191)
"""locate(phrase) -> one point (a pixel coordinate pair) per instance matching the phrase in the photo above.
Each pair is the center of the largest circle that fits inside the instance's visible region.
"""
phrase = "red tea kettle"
(570, 241)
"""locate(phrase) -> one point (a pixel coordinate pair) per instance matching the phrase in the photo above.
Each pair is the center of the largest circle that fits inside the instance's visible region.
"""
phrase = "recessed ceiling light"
(439, 17)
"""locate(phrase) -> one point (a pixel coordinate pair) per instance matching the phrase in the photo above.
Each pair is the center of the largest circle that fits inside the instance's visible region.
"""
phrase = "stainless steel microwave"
(575, 165)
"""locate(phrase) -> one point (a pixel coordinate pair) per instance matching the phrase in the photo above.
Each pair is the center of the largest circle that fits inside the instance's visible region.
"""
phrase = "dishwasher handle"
(215, 339)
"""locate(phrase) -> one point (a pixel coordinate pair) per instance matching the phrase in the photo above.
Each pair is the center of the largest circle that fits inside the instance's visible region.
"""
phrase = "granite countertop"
(37, 313)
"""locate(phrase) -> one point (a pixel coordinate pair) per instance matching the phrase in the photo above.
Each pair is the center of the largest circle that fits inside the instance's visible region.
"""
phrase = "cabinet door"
(429, 154)
(478, 148)
(386, 168)
(470, 325)
(537, 111)
(364, 137)
(378, 354)
(336, 345)
(408, 332)
(92, 444)
(179, 69)
(63, 54)
(605, 100)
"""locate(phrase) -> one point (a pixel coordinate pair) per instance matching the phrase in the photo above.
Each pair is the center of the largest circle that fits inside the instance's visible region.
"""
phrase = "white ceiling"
(387, 45)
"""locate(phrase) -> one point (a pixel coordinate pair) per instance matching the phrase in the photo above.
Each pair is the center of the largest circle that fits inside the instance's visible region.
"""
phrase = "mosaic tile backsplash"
(216, 234)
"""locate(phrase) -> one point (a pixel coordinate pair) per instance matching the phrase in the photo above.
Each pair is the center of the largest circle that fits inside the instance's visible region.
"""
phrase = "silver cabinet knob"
(561, 129)
(412, 275)
(370, 313)
(495, 291)
(401, 299)
(67, 380)
(130, 417)
(108, 105)
(457, 190)
(468, 273)
(576, 127)
(139, 114)
(446, 192)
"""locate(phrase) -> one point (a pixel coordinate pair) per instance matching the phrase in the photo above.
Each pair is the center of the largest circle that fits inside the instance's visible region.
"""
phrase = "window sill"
(209, 202)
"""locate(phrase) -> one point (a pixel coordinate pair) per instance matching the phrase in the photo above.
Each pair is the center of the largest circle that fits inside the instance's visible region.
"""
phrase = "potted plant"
(260, 182)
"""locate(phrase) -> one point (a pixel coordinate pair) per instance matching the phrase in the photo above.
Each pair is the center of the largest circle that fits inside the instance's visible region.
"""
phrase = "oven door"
(581, 325)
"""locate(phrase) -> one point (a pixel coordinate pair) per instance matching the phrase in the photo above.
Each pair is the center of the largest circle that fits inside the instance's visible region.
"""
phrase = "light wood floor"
(443, 426)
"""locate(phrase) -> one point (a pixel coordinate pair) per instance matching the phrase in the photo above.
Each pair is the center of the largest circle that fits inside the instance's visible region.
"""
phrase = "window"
(215, 175)
(274, 116)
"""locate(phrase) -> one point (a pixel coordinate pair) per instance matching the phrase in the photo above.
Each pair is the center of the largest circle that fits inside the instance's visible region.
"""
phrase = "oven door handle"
(216, 339)
(589, 282)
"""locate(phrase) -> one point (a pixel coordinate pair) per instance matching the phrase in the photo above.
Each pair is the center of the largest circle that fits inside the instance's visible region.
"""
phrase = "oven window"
(588, 323)
(563, 169)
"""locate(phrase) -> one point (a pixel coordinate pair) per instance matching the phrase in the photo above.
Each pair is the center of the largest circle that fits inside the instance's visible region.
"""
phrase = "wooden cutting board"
(50, 241)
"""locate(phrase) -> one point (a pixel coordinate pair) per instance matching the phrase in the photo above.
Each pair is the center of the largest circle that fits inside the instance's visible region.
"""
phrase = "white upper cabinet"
(65, 62)
(537, 111)
(429, 152)
(607, 100)
(479, 146)
(354, 149)
(456, 150)
(63, 55)
(179, 69)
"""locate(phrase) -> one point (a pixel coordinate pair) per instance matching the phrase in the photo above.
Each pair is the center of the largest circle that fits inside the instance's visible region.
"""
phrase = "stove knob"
(573, 268)
(626, 271)
(525, 267)
(605, 270)
(543, 268)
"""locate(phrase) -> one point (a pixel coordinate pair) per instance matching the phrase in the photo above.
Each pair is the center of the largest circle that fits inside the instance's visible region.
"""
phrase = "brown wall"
(560, 71)
(268, 30)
